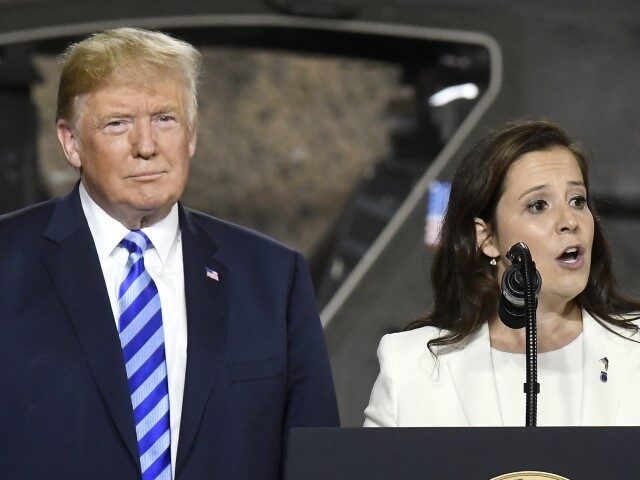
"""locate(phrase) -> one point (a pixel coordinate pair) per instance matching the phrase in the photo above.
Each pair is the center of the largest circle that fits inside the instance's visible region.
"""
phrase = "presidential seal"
(529, 476)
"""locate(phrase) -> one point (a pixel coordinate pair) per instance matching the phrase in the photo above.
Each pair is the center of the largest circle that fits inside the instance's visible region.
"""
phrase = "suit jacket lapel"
(207, 303)
(472, 373)
(601, 400)
(72, 262)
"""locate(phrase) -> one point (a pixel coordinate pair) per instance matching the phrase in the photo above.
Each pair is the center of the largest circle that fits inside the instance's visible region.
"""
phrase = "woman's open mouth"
(571, 257)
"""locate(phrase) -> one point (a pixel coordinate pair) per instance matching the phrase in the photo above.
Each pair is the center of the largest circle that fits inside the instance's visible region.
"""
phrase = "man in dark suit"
(138, 338)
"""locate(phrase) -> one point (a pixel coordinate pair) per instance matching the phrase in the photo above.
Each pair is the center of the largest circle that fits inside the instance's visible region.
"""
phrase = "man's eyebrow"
(111, 115)
(164, 109)
(169, 108)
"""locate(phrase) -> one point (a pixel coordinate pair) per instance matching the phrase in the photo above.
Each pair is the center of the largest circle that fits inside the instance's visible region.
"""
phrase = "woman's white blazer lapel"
(603, 402)
(471, 370)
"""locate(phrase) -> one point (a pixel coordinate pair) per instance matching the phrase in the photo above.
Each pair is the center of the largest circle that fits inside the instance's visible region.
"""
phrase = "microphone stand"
(519, 254)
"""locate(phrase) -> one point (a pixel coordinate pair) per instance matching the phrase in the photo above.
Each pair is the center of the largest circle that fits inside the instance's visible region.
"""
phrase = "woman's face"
(544, 205)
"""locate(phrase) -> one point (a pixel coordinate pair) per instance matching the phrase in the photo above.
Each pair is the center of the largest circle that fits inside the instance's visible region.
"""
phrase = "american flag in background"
(437, 200)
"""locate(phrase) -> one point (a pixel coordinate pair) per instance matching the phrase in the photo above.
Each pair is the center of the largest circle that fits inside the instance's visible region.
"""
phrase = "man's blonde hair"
(133, 52)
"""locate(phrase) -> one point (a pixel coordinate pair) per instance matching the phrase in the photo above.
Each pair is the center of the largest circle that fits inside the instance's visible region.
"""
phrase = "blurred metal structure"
(420, 126)
(18, 129)
(572, 63)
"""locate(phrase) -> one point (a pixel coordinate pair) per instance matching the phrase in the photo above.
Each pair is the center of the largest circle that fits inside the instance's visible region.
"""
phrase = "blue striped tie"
(142, 340)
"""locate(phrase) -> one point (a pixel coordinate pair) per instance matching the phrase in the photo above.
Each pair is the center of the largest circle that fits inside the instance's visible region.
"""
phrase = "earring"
(493, 262)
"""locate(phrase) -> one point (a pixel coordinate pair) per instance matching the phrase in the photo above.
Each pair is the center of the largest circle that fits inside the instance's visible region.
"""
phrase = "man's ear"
(68, 138)
(193, 140)
(485, 240)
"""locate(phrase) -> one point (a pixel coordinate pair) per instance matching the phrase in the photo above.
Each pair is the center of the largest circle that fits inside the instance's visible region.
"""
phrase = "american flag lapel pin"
(603, 373)
(212, 274)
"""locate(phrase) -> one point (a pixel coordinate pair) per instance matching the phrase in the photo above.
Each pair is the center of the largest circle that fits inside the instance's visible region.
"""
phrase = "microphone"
(511, 308)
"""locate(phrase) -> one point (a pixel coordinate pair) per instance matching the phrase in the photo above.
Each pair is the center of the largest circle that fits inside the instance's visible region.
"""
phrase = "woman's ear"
(485, 240)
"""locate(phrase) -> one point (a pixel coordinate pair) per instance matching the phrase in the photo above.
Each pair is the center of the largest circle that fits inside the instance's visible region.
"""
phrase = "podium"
(576, 453)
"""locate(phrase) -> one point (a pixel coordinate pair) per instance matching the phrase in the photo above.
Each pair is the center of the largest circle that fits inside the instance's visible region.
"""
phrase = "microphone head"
(511, 308)
(512, 317)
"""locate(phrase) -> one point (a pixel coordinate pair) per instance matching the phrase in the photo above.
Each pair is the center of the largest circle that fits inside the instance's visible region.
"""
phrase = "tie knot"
(135, 242)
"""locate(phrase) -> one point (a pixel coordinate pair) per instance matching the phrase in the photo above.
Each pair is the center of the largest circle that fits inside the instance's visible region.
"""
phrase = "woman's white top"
(560, 375)
(594, 381)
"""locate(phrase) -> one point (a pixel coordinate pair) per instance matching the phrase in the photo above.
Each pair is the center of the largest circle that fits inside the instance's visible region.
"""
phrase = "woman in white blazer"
(460, 365)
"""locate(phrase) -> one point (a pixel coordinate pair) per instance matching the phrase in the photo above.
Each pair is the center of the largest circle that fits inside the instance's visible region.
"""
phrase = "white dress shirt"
(164, 264)
(560, 374)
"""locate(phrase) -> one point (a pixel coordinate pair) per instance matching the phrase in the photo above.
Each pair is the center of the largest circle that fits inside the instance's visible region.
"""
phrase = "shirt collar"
(164, 233)
(107, 232)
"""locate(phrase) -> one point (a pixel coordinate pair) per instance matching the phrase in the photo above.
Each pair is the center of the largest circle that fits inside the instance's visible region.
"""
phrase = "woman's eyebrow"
(573, 183)
(533, 189)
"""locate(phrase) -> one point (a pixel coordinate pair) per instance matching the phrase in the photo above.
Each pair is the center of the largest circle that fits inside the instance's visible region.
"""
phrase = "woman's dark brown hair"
(465, 287)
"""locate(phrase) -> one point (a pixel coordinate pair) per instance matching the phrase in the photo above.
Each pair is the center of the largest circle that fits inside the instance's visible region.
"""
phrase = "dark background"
(575, 63)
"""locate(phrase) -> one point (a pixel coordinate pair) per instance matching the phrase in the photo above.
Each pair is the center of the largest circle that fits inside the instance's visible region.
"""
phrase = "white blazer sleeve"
(382, 410)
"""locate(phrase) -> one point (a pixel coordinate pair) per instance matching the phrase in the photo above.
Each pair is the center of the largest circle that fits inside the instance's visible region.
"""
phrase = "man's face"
(133, 144)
